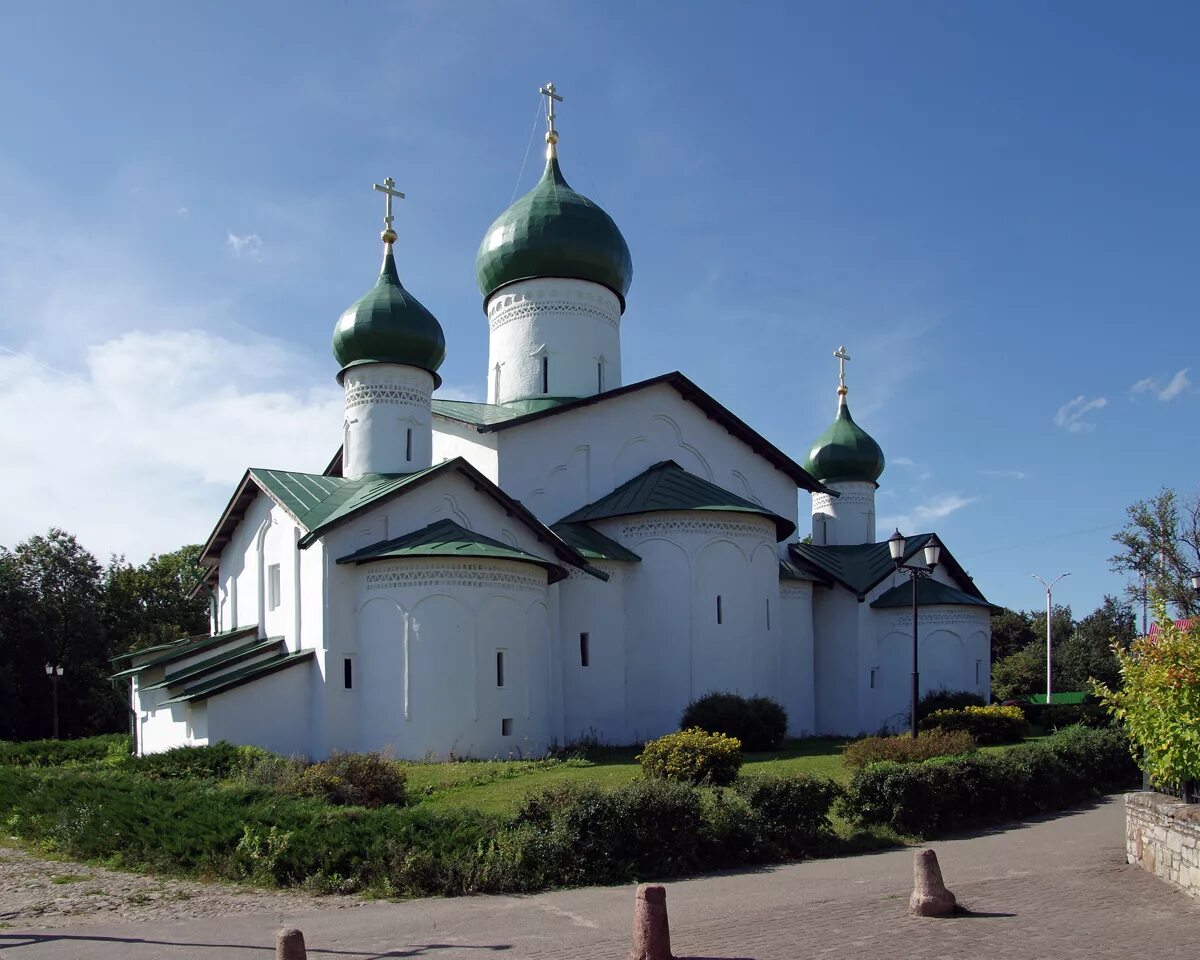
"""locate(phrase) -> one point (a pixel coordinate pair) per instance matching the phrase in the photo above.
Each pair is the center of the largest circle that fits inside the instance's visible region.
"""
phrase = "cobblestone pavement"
(1057, 888)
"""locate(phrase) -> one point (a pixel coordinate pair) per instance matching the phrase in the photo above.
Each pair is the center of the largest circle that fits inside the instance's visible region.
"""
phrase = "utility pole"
(1049, 612)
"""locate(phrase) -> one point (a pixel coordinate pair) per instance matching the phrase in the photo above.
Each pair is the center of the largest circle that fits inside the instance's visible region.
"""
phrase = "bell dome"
(845, 451)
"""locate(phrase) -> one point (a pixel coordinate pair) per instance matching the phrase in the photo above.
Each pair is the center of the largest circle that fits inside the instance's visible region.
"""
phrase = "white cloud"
(1144, 386)
(902, 462)
(1006, 474)
(1070, 415)
(1175, 386)
(459, 392)
(249, 245)
(921, 517)
(141, 450)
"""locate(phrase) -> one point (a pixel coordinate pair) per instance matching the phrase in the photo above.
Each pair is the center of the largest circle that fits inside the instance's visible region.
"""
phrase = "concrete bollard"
(289, 945)
(651, 933)
(930, 898)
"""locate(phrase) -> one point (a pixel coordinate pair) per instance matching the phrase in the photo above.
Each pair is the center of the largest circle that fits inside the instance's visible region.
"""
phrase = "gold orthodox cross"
(548, 92)
(842, 357)
(387, 189)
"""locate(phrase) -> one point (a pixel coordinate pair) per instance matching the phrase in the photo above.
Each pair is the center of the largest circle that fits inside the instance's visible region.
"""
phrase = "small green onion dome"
(845, 451)
(553, 231)
(389, 325)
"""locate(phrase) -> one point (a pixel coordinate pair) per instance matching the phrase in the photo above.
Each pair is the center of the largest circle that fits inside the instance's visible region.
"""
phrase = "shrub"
(692, 756)
(1055, 716)
(949, 793)
(352, 779)
(218, 761)
(53, 753)
(792, 813)
(988, 725)
(947, 700)
(934, 742)
(1159, 699)
(758, 722)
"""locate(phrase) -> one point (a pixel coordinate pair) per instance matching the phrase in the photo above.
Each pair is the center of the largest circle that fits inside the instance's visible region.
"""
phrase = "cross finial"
(549, 93)
(842, 357)
(387, 189)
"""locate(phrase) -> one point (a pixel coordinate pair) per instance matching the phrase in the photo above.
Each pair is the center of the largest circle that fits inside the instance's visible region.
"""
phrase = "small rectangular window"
(408, 445)
(600, 378)
(545, 374)
(978, 671)
(273, 586)
(506, 727)
(348, 673)
(719, 608)
(585, 655)
(874, 671)
(768, 613)
(499, 668)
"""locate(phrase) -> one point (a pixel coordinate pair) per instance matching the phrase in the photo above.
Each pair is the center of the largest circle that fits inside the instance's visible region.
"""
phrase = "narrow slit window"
(768, 613)
(874, 671)
(274, 586)
(585, 654)
(408, 445)
(719, 618)
(506, 727)
(499, 668)
(545, 374)
(599, 377)
(978, 671)
(348, 673)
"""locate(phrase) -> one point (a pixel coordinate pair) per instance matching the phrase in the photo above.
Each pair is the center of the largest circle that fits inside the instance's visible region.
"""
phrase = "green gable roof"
(445, 538)
(592, 543)
(491, 414)
(862, 567)
(667, 486)
(929, 593)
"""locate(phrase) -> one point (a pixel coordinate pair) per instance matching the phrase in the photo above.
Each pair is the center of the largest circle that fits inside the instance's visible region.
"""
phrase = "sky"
(993, 206)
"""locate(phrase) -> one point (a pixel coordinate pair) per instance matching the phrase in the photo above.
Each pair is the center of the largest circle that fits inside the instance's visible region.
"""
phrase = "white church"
(578, 557)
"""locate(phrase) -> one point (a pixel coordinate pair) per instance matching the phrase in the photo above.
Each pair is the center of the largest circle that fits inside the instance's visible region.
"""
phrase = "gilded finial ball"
(551, 137)
(388, 235)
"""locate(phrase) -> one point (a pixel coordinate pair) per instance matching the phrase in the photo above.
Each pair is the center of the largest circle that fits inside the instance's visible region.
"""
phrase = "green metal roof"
(185, 648)
(1057, 697)
(489, 414)
(445, 538)
(592, 543)
(553, 231)
(791, 571)
(862, 567)
(845, 451)
(228, 681)
(389, 325)
(205, 667)
(667, 486)
(155, 649)
(929, 593)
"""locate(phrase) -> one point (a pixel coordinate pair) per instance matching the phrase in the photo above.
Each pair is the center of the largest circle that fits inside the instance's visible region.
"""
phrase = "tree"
(1160, 548)
(152, 603)
(1088, 655)
(1011, 630)
(1020, 673)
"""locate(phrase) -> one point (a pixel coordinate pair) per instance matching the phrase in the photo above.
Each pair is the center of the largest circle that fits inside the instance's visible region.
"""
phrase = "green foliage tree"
(152, 603)
(1158, 701)
(1020, 673)
(1159, 547)
(1088, 654)
(1011, 631)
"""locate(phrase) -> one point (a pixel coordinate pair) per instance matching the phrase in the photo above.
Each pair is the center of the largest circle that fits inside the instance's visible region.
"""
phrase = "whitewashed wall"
(273, 712)
(574, 324)
(386, 403)
(797, 673)
(845, 519)
(454, 439)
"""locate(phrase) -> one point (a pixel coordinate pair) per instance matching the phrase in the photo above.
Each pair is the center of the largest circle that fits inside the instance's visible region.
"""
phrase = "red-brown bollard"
(289, 945)
(651, 934)
(930, 898)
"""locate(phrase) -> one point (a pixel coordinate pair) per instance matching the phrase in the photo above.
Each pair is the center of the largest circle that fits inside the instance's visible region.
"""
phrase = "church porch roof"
(592, 543)
(227, 681)
(929, 593)
(185, 648)
(862, 567)
(667, 486)
(445, 538)
(203, 668)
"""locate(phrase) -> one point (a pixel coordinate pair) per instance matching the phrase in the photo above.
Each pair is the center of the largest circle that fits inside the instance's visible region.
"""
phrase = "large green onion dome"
(845, 451)
(389, 325)
(553, 231)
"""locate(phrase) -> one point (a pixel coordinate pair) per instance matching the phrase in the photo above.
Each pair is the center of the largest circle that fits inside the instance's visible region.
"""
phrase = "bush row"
(564, 836)
(989, 725)
(904, 749)
(55, 753)
(925, 799)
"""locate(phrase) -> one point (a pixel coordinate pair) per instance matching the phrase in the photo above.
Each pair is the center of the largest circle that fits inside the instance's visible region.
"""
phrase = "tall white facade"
(846, 516)
(388, 423)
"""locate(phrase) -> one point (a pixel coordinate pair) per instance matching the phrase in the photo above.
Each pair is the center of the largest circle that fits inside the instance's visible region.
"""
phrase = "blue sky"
(993, 206)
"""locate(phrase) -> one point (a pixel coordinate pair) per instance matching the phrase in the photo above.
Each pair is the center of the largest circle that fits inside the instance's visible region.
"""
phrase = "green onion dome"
(845, 451)
(389, 325)
(553, 231)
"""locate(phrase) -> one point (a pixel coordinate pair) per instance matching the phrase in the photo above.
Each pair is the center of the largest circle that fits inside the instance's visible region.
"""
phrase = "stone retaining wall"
(1163, 835)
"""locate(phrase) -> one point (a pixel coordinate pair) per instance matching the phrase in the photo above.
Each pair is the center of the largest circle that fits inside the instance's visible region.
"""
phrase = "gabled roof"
(202, 668)
(318, 503)
(592, 543)
(929, 593)
(445, 538)
(862, 567)
(792, 571)
(667, 486)
(186, 648)
(227, 681)
(489, 418)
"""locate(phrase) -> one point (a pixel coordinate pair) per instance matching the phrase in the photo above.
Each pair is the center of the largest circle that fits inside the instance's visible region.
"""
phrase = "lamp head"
(896, 544)
(933, 552)
(1196, 582)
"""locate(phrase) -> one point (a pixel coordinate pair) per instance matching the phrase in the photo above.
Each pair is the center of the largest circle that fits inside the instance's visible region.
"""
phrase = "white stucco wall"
(454, 439)
(594, 696)
(572, 326)
(388, 423)
(846, 519)
(797, 669)
(273, 712)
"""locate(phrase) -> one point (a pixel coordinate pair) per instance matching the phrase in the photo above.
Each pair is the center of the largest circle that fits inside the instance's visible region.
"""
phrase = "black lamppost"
(54, 671)
(933, 553)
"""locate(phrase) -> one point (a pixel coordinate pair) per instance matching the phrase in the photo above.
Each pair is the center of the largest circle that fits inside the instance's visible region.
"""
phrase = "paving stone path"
(1057, 888)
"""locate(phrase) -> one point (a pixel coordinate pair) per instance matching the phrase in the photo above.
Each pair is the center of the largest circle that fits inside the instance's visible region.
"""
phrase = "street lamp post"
(933, 553)
(54, 671)
(1049, 587)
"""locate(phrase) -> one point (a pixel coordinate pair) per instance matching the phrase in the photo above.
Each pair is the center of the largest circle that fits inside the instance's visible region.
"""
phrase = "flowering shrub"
(935, 742)
(693, 756)
(988, 725)
(1158, 702)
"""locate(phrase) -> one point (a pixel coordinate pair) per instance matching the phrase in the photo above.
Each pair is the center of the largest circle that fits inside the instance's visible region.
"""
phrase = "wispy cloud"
(249, 246)
(459, 392)
(1006, 474)
(922, 516)
(902, 462)
(1177, 385)
(1071, 415)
